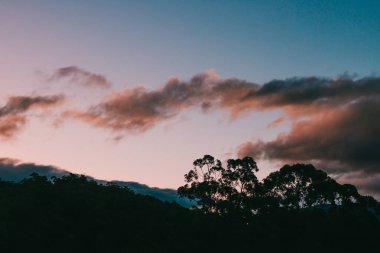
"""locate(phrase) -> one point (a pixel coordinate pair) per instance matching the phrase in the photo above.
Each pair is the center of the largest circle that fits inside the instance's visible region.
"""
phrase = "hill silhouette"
(12, 170)
(74, 213)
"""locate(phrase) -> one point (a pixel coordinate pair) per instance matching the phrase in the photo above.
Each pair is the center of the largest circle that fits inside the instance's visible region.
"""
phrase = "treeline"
(234, 191)
(76, 214)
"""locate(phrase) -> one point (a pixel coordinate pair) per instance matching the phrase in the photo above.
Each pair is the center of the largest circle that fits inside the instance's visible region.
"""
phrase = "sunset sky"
(137, 90)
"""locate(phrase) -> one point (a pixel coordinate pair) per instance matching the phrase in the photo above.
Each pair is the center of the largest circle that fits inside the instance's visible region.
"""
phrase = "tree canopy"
(235, 189)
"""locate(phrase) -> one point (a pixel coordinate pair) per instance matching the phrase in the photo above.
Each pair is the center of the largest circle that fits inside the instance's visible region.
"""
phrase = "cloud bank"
(335, 126)
(13, 114)
(334, 120)
(346, 137)
(78, 75)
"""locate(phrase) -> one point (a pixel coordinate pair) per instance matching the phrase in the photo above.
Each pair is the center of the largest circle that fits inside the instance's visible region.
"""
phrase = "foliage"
(303, 186)
(226, 191)
(236, 191)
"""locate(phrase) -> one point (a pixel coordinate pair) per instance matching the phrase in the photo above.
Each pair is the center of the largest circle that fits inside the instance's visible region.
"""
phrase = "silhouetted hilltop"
(75, 214)
(11, 170)
(296, 209)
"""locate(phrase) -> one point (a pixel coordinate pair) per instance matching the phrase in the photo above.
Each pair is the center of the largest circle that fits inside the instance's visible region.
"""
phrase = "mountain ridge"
(15, 171)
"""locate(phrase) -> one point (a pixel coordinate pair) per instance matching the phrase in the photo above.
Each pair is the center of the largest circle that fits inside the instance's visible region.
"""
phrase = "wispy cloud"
(10, 125)
(20, 104)
(80, 76)
(276, 122)
(138, 109)
(13, 113)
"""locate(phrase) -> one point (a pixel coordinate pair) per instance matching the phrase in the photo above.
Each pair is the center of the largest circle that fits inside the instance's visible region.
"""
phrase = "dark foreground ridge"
(76, 214)
(12, 170)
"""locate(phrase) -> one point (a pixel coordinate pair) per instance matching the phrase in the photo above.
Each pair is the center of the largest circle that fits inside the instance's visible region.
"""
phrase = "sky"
(137, 90)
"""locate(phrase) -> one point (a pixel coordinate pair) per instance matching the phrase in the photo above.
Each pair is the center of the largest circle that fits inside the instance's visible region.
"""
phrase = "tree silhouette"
(236, 191)
(300, 186)
(304, 186)
(226, 191)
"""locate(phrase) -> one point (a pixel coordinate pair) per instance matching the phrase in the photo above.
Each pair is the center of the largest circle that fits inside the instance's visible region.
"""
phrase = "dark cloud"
(12, 114)
(335, 126)
(369, 184)
(19, 104)
(78, 75)
(313, 91)
(346, 138)
(14, 170)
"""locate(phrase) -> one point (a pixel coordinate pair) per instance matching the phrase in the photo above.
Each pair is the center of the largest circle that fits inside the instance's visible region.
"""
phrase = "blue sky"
(146, 41)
